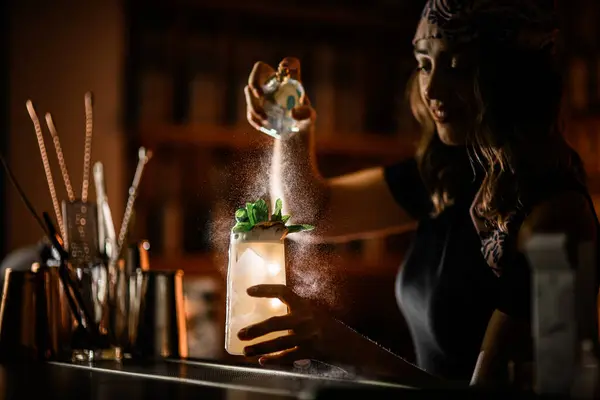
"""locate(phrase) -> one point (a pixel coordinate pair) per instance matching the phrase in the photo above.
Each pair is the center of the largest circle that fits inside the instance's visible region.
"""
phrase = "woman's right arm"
(342, 208)
(315, 335)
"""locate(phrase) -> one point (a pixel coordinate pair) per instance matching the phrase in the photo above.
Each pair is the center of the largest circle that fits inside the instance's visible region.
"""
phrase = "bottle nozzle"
(283, 72)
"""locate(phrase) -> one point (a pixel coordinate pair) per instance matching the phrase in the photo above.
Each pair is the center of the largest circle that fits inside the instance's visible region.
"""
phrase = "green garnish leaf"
(261, 211)
(258, 213)
(300, 228)
(277, 212)
(242, 227)
(241, 215)
(250, 212)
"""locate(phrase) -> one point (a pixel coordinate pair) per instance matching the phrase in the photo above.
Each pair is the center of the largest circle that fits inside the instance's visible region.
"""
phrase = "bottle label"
(280, 99)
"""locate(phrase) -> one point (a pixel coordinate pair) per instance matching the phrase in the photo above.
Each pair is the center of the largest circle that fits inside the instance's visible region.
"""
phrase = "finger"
(275, 345)
(254, 114)
(255, 122)
(288, 322)
(303, 113)
(286, 357)
(273, 324)
(305, 101)
(282, 292)
(261, 72)
(292, 64)
(253, 104)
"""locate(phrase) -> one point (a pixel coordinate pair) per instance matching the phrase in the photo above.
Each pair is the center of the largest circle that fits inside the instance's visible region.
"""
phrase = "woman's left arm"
(506, 337)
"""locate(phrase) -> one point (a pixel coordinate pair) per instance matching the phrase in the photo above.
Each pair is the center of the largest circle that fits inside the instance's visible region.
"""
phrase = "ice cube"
(273, 269)
(250, 269)
(242, 305)
(276, 304)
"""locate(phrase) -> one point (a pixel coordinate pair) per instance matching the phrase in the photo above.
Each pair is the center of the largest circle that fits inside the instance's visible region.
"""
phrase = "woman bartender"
(492, 169)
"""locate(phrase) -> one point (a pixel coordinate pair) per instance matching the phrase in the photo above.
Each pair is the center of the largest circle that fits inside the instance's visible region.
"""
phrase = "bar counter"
(176, 379)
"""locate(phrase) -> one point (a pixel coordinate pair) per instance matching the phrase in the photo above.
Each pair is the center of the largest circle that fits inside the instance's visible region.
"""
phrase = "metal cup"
(35, 319)
(19, 315)
(157, 323)
(59, 318)
(123, 306)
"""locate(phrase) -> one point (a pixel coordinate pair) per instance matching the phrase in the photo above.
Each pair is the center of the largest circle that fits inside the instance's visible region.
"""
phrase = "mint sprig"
(257, 213)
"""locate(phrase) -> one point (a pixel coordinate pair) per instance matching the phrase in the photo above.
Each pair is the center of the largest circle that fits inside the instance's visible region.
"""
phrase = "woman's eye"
(424, 68)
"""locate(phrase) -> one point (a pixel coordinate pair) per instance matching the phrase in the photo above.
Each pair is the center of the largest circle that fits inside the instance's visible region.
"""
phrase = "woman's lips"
(440, 114)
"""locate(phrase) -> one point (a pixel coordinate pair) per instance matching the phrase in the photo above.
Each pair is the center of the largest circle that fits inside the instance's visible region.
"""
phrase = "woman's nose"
(436, 87)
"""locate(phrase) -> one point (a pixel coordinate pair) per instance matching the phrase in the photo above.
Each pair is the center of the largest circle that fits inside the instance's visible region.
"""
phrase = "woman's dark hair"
(516, 136)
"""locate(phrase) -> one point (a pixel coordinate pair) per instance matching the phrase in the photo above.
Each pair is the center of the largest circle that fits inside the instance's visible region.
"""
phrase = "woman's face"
(446, 87)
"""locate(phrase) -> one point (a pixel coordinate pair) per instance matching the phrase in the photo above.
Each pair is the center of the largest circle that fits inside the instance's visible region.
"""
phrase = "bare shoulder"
(568, 212)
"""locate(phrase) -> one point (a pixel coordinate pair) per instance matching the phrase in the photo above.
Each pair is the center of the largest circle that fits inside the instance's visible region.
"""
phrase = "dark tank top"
(457, 273)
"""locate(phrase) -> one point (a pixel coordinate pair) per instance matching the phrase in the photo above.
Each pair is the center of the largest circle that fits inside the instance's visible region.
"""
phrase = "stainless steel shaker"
(19, 315)
(59, 317)
(157, 322)
(35, 319)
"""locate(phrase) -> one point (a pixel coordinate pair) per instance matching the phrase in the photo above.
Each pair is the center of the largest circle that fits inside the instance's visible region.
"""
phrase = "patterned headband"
(519, 23)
